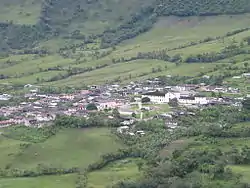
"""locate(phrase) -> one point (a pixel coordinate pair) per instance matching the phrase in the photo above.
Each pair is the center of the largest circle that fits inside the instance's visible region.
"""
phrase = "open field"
(20, 11)
(117, 171)
(69, 148)
(170, 32)
(135, 70)
(244, 170)
(9, 149)
(223, 144)
(112, 173)
(63, 181)
(34, 64)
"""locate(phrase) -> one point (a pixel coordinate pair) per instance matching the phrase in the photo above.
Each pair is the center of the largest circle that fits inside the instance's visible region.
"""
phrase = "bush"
(145, 100)
(91, 107)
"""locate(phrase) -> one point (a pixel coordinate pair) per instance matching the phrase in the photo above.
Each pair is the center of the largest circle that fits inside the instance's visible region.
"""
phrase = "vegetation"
(29, 134)
(60, 44)
(145, 100)
(66, 61)
(204, 160)
(91, 106)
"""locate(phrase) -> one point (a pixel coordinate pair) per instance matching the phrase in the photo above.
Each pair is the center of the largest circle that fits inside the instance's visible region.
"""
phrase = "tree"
(219, 94)
(134, 115)
(145, 100)
(246, 64)
(116, 113)
(173, 102)
(139, 165)
(246, 103)
(91, 106)
(213, 94)
(247, 39)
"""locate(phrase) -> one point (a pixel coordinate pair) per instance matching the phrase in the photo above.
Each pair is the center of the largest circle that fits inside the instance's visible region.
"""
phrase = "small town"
(134, 102)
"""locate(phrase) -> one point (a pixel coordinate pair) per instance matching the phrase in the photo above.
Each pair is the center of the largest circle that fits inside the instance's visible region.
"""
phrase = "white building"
(193, 100)
(247, 75)
(158, 97)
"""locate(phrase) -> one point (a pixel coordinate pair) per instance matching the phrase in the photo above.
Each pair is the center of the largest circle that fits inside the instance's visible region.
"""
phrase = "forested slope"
(108, 21)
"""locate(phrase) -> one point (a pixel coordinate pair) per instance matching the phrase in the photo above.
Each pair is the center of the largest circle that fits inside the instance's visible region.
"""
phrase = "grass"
(20, 11)
(122, 70)
(113, 173)
(177, 144)
(63, 181)
(33, 64)
(170, 32)
(35, 78)
(68, 148)
(167, 33)
(135, 70)
(9, 149)
(244, 170)
(155, 109)
(223, 144)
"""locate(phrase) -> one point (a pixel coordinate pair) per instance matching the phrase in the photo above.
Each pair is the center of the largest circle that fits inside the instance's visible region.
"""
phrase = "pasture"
(68, 148)
(115, 172)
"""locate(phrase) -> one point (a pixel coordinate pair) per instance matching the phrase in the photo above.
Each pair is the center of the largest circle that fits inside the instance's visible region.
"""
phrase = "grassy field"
(244, 170)
(135, 70)
(64, 181)
(69, 148)
(33, 64)
(20, 11)
(170, 32)
(113, 173)
(9, 149)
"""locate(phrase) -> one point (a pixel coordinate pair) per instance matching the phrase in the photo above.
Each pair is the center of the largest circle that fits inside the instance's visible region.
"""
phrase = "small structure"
(122, 129)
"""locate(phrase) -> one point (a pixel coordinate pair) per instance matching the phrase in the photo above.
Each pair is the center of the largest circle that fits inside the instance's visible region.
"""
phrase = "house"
(171, 125)
(140, 132)
(236, 77)
(206, 76)
(122, 129)
(160, 97)
(246, 75)
(6, 123)
(28, 85)
(193, 100)
(127, 122)
(5, 97)
(186, 87)
(108, 105)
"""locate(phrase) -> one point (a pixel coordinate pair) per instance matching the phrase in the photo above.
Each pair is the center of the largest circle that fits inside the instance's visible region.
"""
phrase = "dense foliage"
(193, 165)
(203, 7)
(30, 134)
(66, 19)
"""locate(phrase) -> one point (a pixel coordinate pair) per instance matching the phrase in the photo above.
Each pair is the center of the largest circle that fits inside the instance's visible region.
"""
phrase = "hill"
(54, 42)
(111, 21)
(68, 61)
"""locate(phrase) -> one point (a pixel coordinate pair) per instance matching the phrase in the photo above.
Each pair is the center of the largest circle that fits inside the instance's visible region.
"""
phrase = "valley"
(124, 94)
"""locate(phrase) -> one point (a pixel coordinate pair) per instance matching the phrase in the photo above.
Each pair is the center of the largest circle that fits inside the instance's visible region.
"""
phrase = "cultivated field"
(168, 33)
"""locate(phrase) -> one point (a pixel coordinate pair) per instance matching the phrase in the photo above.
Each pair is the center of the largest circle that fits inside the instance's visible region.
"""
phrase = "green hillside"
(110, 21)
(59, 61)
(54, 42)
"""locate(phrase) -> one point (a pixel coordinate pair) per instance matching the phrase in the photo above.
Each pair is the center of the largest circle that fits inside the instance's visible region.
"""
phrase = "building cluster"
(38, 109)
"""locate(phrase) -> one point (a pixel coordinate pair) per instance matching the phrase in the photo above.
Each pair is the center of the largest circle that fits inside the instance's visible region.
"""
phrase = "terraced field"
(168, 33)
